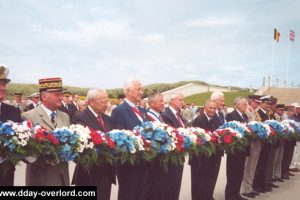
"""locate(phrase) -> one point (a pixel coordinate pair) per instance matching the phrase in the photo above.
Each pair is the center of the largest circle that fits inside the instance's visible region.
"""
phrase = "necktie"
(179, 119)
(221, 117)
(138, 113)
(101, 122)
(244, 117)
(53, 115)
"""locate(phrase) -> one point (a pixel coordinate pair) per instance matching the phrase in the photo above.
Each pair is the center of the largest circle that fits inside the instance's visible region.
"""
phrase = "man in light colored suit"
(48, 116)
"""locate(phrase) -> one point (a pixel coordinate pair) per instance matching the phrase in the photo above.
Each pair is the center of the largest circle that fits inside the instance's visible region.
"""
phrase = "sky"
(95, 43)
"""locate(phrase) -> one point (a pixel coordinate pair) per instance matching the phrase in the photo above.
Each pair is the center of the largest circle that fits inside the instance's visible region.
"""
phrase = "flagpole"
(272, 73)
(287, 64)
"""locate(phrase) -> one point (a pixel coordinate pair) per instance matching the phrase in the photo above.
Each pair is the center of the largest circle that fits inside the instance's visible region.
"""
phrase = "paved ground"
(288, 190)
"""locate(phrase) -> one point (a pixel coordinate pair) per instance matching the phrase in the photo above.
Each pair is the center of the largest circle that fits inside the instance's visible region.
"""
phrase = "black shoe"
(268, 189)
(280, 180)
(273, 185)
(285, 176)
(290, 174)
(255, 192)
(250, 194)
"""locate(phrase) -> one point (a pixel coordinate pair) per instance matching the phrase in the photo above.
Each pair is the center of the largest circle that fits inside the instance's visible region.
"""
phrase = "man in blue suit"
(133, 180)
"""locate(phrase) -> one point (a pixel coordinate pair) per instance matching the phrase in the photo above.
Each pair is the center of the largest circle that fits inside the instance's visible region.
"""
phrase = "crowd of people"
(248, 173)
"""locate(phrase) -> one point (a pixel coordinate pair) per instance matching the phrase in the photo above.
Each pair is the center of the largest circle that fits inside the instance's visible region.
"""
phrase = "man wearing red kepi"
(41, 173)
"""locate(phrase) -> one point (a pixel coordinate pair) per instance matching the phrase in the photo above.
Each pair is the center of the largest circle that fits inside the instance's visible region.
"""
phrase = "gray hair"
(216, 95)
(174, 96)
(92, 93)
(237, 100)
(153, 96)
(207, 102)
(129, 83)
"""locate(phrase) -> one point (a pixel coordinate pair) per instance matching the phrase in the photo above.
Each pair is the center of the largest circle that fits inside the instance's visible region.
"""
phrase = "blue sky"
(94, 43)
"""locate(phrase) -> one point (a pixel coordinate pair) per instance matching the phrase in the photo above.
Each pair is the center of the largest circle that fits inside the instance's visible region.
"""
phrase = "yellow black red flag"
(276, 35)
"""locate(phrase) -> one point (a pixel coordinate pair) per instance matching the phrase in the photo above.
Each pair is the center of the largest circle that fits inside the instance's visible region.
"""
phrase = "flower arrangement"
(277, 131)
(231, 140)
(260, 130)
(14, 141)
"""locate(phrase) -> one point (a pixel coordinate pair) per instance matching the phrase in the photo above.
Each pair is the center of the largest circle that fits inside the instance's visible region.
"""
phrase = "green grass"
(200, 99)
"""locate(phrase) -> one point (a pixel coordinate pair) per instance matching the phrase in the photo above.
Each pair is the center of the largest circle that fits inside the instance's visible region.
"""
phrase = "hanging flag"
(292, 35)
(276, 35)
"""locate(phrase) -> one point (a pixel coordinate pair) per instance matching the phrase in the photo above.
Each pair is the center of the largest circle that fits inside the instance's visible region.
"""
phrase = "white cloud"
(153, 38)
(214, 21)
(90, 32)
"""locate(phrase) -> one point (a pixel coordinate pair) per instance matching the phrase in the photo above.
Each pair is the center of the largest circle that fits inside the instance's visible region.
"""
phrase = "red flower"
(29, 124)
(272, 131)
(52, 139)
(40, 135)
(147, 143)
(110, 143)
(199, 140)
(227, 139)
(179, 144)
(214, 139)
(96, 137)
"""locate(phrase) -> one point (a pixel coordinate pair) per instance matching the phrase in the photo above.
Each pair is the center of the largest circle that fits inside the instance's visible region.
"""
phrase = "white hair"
(129, 83)
(237, 100)
(216, 95)
(174, 96)
(92, 93)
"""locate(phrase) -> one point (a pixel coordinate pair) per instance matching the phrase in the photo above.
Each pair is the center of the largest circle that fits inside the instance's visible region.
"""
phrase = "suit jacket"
(235, 116)
(124, 117)
(98, 173)
(8, 112)
(217, 120)
(21, 107)
(47, 175)
(202, 122)
(170, 119)
(72, 109)
(30, 107)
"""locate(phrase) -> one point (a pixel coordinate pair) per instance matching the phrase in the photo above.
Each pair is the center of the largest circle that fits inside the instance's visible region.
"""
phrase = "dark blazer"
(217, 120)
(65, 110)
(124, 117)
(170, 119)
(235, 162)
(235, 116)
(72, 109)
(12, 113)
(133, 180)
(202, 122)
(101, 175)
(30, 107)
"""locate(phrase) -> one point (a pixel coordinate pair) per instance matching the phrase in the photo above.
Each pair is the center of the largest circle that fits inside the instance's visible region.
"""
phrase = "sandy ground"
(288, 190)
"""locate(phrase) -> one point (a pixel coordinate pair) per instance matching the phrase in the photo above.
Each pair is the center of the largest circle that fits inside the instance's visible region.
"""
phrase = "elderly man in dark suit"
(7, 112)
(236, 162)
(202, 167)
(48, 116)
(219, 120)
(101, 175)
(171, 181)
(133, 180)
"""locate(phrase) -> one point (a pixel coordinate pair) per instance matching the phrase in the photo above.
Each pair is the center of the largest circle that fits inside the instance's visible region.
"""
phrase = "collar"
(48, 111)
(130, 103)
(173, 110)
(240, 113)
(94, 113)
(263, 110)
(208, 117)
(74, 103)
(154, 112)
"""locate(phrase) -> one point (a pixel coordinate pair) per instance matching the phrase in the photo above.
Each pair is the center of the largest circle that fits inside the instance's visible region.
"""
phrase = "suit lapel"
(173, 117)
(45, 119)
(131, 114)
(94, 123)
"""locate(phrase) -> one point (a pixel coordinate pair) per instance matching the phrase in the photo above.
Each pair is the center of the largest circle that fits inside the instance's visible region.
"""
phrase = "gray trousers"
(277, 162)
(250, 166)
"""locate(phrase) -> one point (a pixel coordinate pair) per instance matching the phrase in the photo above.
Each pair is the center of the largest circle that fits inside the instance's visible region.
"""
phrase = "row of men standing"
(144, 180)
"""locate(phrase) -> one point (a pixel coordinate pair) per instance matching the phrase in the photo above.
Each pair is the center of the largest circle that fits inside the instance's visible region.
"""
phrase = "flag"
(276, 35)
(292, 35)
